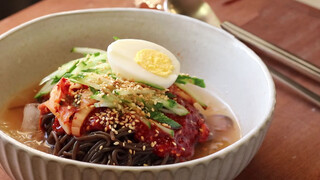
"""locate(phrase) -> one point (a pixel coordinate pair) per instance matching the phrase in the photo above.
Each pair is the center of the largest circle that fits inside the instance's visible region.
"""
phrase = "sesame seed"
(166, 125)
(142, 138)
(130, 151)
(183, 149)
(174, 143)
(143, 148)
(116, 143)
(100, 147)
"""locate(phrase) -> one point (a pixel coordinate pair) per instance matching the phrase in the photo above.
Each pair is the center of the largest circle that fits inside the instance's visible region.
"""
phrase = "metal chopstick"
(313, 97)
(287, 58)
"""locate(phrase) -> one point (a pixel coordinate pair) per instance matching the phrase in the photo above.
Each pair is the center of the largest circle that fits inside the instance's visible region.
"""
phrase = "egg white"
(121, 55)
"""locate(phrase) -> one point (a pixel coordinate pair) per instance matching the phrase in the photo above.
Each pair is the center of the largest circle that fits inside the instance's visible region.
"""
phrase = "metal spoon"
(201, 10)
(194, 8)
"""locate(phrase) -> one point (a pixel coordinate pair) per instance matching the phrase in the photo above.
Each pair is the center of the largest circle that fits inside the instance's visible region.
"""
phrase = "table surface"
(292, 145)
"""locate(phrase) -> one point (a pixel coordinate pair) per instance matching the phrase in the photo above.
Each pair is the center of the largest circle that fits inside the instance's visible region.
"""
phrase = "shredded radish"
(31, 115)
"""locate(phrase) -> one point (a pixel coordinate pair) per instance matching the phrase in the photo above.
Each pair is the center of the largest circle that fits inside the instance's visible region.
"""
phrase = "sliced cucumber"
(164, 129)
(146, 122)
(191, 93)
(85, 50)
(97, 64)
(161, 118)
(103, 68)
(125, 92)
(184, 79)
(105, 100)
(56, 75)
(90, 79)
(173, 106)
(45, 89)
(152, 85)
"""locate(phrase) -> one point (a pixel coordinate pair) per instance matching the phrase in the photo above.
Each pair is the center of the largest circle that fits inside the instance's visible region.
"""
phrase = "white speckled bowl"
(32, 50)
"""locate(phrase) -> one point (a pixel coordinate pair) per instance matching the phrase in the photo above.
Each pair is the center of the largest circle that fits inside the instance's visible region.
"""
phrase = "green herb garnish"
(93, 90)
(170, 95)
(115, 38)
(90, 70)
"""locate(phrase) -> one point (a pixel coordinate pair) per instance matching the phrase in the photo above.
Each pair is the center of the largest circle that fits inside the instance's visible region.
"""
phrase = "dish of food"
(127, 106)
(234, 77)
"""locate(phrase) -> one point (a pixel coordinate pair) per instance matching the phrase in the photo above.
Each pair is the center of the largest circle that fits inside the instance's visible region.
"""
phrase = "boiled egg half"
(143, 61)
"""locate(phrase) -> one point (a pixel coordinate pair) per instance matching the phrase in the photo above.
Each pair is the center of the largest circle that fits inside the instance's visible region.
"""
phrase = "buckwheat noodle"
(102, 148)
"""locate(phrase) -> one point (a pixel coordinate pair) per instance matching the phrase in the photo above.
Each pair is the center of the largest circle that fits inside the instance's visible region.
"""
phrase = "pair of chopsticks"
(283, 56)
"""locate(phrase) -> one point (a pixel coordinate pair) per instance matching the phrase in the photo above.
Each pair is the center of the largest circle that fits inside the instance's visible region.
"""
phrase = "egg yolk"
(155, 62)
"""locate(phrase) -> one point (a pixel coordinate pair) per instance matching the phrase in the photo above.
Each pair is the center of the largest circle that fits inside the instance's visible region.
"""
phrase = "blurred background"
(8, 7)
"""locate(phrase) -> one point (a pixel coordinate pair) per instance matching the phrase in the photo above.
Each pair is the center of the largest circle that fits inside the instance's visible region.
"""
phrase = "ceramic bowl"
(234, 72)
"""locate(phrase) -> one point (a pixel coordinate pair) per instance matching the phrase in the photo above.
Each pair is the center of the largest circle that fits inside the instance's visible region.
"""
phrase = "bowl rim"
(203, 160)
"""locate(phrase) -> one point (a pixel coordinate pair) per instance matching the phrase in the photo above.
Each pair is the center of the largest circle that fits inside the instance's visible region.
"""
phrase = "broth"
(12, 114)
